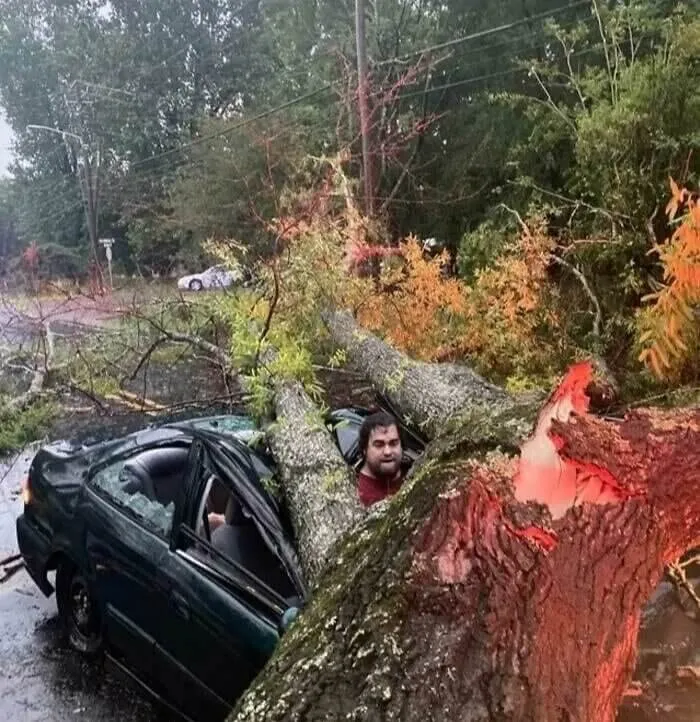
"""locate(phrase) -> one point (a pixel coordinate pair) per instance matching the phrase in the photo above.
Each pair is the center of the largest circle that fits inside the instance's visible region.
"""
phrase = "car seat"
(137, 480)
(240, 541)
(159, 473)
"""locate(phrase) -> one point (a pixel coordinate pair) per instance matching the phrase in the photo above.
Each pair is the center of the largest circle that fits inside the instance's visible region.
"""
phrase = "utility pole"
(88, 172)
(363, 100)
(89, 163)
(90, 183)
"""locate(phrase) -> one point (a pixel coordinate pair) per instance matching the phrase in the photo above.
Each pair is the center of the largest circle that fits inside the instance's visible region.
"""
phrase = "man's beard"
(385, 471)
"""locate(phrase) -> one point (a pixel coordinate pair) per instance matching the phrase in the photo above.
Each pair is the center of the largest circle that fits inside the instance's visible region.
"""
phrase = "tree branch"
(426, 395)
(677, 573)
(41, 371)
(598, 314)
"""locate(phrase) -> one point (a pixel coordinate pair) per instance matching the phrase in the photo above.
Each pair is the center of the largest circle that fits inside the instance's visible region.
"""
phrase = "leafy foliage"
(513, 323)
(415, 306)
(669, 327)
(19, 428)
(506, 323)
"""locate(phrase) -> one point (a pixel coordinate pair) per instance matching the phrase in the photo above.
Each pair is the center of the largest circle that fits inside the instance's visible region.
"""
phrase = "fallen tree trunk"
(426, 394)
(318, 485)
(464, 602)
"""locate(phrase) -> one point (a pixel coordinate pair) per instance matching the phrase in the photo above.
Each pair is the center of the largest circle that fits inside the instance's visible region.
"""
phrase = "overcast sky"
(5, 141)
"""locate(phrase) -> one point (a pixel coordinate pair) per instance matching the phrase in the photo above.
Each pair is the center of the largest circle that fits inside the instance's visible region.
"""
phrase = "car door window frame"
(126, 510)
(234, 576)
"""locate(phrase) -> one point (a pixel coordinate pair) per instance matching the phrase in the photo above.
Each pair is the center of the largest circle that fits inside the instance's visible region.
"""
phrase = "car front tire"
(78, 610)
(195, 285)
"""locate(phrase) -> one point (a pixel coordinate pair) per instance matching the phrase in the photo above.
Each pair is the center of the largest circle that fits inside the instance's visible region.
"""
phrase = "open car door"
(234, 461)
(221, 623)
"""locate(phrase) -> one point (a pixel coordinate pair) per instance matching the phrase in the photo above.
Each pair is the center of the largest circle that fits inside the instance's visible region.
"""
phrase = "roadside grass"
(21, 427)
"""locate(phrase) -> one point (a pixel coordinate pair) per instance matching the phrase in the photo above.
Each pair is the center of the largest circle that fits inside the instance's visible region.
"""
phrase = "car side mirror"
(296, 605)
(288, 618)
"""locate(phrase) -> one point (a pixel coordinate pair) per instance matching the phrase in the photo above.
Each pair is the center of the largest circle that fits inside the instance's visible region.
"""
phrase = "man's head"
(380, 445)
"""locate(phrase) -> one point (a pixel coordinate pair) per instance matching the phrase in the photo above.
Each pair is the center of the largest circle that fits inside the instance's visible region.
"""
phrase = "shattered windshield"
(229, 424)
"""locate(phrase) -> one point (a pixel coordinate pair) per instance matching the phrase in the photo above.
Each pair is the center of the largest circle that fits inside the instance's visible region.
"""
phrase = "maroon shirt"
(371, 490)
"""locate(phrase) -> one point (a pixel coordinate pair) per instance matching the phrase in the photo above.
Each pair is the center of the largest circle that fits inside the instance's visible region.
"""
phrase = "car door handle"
(180, 604)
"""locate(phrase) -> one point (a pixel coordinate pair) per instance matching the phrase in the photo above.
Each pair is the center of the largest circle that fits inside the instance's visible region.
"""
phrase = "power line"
(473, 36)
(141, 176)
(510, 71)
(528, 36)
(485, 33)
(127, 182)
(237, 126)
(132, 179)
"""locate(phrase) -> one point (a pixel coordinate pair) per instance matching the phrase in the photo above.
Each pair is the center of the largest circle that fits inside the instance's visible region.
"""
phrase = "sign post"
(108, 243)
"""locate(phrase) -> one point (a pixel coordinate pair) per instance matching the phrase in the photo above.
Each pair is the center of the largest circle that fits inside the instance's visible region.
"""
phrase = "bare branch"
(598, 315)
(680, 579)
(572, 78)
(550, 101)
(273, 305)
(41, 371)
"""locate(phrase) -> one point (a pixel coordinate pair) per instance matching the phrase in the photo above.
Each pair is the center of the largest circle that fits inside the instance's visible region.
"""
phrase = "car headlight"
(26, 489)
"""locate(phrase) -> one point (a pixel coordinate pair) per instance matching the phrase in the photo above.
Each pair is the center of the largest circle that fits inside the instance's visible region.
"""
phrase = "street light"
(58, 131)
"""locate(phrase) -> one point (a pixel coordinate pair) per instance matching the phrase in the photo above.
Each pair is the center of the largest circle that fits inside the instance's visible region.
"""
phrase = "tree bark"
(496, 586)
(318, 485)
(427, 395)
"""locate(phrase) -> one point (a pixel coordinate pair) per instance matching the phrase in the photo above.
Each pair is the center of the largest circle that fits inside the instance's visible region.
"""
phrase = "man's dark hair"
(371, 422)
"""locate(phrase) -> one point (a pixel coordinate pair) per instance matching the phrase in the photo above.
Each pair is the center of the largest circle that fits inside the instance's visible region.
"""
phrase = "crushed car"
(190, 609)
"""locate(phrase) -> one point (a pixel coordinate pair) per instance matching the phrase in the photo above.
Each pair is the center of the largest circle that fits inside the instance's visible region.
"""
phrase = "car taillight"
(26, 488)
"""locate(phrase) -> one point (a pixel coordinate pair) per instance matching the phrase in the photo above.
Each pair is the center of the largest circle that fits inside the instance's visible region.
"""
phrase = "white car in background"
(214, 277)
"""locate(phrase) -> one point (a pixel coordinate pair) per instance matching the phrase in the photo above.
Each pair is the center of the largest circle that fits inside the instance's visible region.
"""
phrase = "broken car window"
(124, 488)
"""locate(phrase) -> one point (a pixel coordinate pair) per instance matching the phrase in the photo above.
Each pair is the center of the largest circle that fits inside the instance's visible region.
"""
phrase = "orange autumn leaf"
(669, 325)
(678, 196)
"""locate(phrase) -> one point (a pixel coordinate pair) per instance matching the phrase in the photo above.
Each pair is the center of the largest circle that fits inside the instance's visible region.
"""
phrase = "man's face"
(383, 456)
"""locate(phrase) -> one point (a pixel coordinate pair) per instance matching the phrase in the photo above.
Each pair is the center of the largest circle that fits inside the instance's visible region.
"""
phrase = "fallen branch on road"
(9, 569)
(42, 370)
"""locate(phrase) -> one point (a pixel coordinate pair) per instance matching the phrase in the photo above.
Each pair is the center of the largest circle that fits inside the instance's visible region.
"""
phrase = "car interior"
(223, 521)
(156, 473)
(237, 538)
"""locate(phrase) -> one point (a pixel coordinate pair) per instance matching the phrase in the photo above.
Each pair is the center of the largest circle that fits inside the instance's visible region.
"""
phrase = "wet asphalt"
(41, 678)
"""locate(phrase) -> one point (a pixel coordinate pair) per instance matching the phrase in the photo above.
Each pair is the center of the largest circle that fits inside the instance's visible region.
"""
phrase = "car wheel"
(78, 610)
(195, 285)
